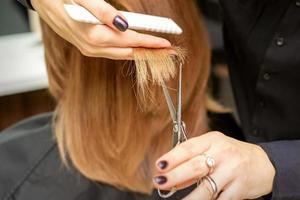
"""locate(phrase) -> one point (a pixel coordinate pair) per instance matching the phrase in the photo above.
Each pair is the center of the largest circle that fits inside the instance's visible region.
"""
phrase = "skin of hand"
(96, 40)
(241, 171)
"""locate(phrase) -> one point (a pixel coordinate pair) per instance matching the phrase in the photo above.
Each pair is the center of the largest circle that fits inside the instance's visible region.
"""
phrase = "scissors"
(179, 128)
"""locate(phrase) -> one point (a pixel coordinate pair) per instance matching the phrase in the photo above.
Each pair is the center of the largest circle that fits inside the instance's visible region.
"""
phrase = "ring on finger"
(210, 162)
(212, 183)
(206, 187)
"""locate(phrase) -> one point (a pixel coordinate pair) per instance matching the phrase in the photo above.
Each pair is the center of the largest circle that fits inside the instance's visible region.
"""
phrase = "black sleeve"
(285, 157)
(26, 3)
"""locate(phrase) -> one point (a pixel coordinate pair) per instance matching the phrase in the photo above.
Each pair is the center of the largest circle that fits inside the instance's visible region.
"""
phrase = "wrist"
(269, 170)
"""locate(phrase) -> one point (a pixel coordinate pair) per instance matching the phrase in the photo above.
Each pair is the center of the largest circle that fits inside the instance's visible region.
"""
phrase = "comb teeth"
(136, 21)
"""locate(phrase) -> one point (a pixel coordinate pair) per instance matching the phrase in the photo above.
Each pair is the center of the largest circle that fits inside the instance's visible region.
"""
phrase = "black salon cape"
(31, 169)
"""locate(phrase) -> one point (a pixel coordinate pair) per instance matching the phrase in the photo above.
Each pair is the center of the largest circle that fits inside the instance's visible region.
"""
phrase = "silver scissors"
(179, 128)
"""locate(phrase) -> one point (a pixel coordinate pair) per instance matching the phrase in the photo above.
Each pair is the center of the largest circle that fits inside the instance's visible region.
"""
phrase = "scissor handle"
(177, 139)
(167, 195)
(179, 129)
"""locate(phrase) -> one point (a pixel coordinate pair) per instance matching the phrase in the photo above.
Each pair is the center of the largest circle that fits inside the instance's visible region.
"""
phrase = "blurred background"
(23, 80)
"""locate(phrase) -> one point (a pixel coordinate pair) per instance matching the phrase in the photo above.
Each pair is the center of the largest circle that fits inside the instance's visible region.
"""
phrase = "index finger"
(183, 152)
(104, 36)
(135, 39)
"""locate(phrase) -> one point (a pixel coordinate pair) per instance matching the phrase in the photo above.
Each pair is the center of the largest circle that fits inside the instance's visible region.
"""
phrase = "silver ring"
(212, 183)
(210, 162)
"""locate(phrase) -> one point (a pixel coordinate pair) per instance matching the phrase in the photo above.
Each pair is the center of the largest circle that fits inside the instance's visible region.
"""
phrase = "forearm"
(26, 3)
(285, 157)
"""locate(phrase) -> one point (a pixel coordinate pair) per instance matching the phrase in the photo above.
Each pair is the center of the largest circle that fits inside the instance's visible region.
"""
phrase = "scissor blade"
(169, 102)
(179, 105)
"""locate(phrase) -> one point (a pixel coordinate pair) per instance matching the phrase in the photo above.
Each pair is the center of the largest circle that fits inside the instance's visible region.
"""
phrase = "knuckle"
(138, 38)
(215, 136)
(104, 14)
(244, 163)
(186, 149)
(92, 38)
(197, 165)
(129, 55)
(105, 39)
(240, 166)
(173, 176)
(170, 158)
(228, 151)
(84, 51)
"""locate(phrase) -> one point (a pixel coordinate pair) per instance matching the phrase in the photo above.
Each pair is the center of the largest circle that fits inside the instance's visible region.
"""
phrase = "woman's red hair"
(100, 126)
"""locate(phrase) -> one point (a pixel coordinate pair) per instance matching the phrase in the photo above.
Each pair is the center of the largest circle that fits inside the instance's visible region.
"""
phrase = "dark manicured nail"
(160, 180)
(162, 164)
(120, 23)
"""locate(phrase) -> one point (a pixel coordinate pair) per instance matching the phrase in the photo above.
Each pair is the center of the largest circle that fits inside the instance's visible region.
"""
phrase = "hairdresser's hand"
(109, 41)
(241, 171)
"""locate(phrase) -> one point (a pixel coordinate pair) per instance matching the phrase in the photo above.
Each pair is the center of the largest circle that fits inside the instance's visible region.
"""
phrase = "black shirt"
(26, 3)
(262, 40)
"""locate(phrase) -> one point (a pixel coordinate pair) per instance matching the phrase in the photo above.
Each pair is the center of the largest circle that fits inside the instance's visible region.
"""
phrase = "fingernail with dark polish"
(120, 23)
(162, 164)
(160, 180)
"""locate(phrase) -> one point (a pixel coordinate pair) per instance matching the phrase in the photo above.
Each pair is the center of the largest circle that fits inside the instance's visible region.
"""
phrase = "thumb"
(106, 13)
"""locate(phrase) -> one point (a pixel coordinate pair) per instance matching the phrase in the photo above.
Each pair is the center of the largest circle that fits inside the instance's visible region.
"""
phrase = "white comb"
(135, 21)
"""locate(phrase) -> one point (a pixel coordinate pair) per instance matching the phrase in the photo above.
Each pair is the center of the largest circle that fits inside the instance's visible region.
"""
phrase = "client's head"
(105, 124)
